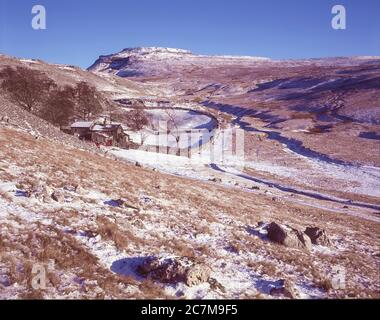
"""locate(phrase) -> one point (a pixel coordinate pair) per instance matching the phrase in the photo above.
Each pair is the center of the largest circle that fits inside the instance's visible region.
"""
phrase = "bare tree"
(88, 100)
(59, 106)
(26, 87)
(137, 120)
(173, 126)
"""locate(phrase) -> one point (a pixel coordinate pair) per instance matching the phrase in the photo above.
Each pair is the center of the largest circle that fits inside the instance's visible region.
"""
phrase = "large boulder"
(166, 270)
(318, 236)
(174, 271)
(288, 236)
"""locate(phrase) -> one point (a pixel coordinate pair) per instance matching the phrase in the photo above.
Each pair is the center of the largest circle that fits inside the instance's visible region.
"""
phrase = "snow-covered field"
(175, 128)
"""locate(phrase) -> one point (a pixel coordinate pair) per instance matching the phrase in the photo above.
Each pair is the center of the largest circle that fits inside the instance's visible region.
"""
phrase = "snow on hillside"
(102, 241)
(136, 61)
(95, 215)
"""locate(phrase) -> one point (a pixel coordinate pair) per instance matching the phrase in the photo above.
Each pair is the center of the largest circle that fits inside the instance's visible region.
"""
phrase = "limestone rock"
(174, 271)
(318, 236)
(288, 236)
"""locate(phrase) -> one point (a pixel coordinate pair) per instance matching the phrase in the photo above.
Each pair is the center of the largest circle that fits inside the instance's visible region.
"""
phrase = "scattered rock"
(285, 289)
(318, 236)
(146, 200)
(42, 193)
(234, 248)
(70, 231)
(120, 203)
(58, 196)
(138, 223)
(288, 236)
(179, 293)
(80, 190)
(255, 188)
(138, 164)
(174, 271)
(5, 119)
(216, 285)
(87, 233)
(197, 274)
(260, 224)
(71, 188)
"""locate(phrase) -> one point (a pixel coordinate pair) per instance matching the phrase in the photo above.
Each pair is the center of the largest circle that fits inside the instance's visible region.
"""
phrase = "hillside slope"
(114, 223)
(93, 244)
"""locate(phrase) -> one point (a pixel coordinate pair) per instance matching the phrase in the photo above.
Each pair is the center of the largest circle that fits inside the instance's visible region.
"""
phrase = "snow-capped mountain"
(177, 73)
(156, 60)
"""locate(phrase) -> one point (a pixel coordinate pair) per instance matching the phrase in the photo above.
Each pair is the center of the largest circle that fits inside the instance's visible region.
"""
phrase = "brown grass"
(109, 230)
(186, 205)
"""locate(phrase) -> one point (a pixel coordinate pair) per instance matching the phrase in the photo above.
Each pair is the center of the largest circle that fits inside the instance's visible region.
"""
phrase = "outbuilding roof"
(82, 124)
(102, 127)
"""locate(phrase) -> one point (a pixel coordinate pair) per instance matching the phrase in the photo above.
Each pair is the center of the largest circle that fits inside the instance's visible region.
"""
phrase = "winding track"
(302, 192)
(291, 144)
(294, 146)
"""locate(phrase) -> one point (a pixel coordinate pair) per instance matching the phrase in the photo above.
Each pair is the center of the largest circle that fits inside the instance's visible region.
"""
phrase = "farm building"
(101, 132)
(82, 129)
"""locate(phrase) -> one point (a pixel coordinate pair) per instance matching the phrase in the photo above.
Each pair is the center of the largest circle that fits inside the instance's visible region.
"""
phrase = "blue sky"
(79, 31)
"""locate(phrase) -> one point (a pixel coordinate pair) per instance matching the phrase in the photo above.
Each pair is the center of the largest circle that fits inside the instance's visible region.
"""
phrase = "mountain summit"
(152, 61)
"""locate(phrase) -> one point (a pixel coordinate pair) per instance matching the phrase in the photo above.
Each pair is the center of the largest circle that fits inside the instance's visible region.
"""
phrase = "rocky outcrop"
(318, 236)
(288, 236)
(174, 271)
